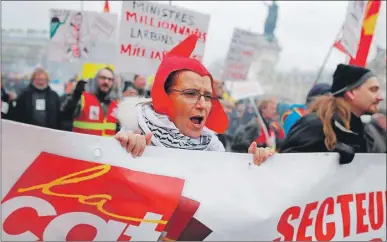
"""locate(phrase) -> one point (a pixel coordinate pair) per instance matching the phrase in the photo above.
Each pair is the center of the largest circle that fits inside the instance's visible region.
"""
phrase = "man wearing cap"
(334, 123)
(297, 111)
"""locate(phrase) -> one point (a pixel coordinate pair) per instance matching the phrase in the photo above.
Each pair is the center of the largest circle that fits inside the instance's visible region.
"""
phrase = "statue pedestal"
(263, 67)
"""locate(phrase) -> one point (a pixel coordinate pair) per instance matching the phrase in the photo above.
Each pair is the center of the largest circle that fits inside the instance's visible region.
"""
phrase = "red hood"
(179, 59)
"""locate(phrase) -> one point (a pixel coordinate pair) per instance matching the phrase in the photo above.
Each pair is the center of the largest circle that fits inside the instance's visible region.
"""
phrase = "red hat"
(179, 59)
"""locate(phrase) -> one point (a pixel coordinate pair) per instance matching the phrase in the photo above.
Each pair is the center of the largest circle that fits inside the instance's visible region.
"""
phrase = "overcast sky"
(305, 29)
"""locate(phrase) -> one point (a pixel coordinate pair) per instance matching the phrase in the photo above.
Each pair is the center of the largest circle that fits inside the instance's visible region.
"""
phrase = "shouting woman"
(184, 112)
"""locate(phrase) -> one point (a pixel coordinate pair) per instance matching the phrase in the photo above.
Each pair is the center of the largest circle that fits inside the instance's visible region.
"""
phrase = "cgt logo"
(60, 227)
(59, 198)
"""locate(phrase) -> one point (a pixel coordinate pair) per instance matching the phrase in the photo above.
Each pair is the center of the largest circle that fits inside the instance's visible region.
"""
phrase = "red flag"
(338, 45)
(367, 34)
(106, 7)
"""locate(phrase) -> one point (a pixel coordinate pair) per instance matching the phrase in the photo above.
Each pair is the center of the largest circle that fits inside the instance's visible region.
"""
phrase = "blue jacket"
(290, 117)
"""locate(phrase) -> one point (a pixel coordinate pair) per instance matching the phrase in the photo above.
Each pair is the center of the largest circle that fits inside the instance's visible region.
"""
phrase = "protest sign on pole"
(148, 30)
(240, 55)
(244, 89)
(76, 36)
(72, 186)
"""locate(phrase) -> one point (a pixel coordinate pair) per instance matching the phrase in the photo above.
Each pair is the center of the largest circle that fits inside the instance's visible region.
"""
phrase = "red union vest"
(91, 119)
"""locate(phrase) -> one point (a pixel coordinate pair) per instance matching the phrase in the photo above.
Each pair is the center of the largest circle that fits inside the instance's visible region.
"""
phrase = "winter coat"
(307, 135)
(377, 135)
(26, 108)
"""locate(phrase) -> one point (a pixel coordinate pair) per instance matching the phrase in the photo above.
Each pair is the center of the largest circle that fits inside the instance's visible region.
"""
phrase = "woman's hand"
(260, 154)
(134, 143)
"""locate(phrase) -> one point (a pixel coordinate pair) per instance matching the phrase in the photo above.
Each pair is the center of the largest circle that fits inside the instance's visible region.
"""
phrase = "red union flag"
(59, 198)
(367, 33)
(338, 45)
(106, 8)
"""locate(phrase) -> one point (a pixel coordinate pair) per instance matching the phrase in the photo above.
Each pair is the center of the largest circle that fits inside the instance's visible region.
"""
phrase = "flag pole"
(327, 56)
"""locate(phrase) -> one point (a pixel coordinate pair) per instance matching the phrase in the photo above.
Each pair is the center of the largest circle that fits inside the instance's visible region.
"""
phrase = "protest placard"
(149, 30)
(244, 89)
(81, 35)
(240, 55)
(89, 70)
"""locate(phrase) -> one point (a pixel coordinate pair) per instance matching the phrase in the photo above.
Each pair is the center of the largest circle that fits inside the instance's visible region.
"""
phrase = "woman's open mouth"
(197, 121)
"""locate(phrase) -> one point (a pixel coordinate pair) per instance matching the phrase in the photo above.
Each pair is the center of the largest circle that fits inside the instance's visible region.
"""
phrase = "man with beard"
(37, 104)
(334, 124)
(93, 111)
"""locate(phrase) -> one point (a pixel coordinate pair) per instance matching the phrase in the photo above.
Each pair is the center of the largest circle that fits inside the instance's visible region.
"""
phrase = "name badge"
(40, 104)
(4, 107)
(94, 113)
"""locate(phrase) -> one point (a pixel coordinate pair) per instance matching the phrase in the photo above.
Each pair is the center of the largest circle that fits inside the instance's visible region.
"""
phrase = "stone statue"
(271, 21)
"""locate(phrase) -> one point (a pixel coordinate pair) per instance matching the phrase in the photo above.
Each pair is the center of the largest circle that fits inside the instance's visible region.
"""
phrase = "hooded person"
(297, 111)
(91, 106)
(334, 124)
(183, 113)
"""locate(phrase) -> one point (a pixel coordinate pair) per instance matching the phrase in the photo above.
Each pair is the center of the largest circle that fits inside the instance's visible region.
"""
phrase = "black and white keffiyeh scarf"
(165, 133)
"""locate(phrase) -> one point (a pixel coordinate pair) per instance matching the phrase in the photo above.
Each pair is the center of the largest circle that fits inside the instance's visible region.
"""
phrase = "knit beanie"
(348, 77)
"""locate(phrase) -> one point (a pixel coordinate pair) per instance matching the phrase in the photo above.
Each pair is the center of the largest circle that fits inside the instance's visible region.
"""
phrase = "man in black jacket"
(37, 104)
(335, 124)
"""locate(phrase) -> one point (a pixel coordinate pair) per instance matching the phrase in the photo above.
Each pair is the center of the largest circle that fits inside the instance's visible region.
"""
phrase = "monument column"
(267, 53)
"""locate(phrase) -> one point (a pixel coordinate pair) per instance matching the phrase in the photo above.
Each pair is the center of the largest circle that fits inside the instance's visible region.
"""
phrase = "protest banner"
(72, 186)
(240, 55)
(148, 30)
(89, 70)
(81, 35)
(244, 89)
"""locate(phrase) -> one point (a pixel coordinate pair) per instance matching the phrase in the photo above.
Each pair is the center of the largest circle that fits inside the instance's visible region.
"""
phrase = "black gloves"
(347, 153)
(79, 89)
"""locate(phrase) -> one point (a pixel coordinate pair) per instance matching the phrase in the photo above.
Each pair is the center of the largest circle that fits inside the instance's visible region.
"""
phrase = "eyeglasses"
(193, 96)
(106, 78)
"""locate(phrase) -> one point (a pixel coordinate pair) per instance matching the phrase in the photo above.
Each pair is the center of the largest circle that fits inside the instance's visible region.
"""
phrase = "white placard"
(240, 55)
(244, 89)
(149, 30)
(81, 35)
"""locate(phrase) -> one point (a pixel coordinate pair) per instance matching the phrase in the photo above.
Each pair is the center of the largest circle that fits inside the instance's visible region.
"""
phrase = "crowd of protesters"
(342, 117)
